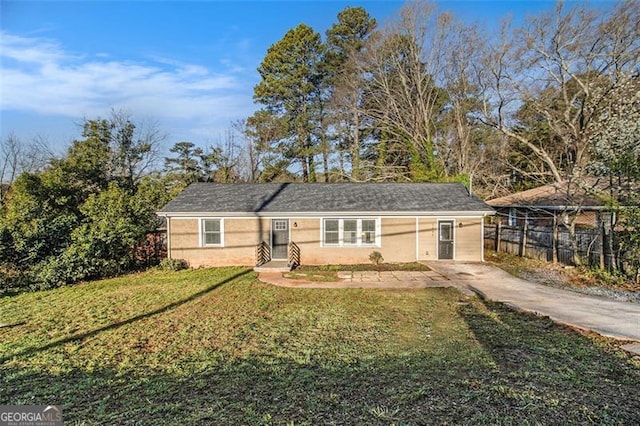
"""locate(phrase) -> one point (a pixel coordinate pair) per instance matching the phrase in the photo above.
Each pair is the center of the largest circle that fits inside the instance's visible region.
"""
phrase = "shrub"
(167, 264)
(13, 282)
(376, 257)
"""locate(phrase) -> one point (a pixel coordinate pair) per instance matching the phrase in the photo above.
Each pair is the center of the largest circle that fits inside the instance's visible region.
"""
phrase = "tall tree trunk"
(305, 169)
(325, 162)
(355, 148)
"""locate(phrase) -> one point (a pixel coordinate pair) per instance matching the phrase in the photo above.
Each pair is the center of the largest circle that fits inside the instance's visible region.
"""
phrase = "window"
(350, 232)
(446, 232)
(211, 232)
(280, 225)
(332, 231)
(368, 231)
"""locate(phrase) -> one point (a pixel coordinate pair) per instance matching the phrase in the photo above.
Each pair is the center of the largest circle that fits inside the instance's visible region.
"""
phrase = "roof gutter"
(464, 213)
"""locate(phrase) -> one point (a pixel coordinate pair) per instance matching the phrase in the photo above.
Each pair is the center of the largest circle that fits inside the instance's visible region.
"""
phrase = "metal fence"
(593, 245)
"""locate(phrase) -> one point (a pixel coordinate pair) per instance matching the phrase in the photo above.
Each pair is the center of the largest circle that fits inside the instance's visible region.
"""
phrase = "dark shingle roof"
(324, 198)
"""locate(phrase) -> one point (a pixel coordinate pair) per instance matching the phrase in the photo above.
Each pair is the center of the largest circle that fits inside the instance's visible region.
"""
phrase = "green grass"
(214, 346)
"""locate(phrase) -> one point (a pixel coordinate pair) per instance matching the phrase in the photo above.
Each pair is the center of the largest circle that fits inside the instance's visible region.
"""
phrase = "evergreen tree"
(290, 91)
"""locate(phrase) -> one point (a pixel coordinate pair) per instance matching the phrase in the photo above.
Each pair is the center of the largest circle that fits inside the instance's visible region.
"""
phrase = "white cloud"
(39, 76)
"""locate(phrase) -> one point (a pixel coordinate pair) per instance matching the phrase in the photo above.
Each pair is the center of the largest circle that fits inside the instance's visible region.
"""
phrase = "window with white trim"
(350, 232)
(331, 232)
(368, 231)
(280, 225)
(212, 232)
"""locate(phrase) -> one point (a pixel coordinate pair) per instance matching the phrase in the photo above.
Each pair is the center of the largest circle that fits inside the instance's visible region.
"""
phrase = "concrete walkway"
(607, 317)
(367, 279)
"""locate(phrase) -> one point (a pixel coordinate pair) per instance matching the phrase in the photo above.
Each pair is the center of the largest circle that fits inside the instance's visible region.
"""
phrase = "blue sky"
(190, 66)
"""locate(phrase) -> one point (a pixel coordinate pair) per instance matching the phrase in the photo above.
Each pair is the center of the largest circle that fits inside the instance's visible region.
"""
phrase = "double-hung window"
(332, 231)
(212, 232)
(368, 231)
(350, 232)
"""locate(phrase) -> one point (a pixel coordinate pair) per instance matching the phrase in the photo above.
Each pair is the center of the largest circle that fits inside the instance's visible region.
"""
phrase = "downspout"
(168, 220)
(417, 239)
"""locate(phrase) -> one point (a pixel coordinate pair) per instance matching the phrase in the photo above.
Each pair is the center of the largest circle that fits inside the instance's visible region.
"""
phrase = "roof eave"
(469, 213)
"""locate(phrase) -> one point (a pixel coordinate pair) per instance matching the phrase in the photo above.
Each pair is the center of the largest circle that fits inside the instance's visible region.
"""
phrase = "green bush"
(376, 257)
(56, 271)
(167, 264)
(14, 282)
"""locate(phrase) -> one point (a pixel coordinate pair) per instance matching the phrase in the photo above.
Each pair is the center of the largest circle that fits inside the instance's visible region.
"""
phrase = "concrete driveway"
(605, 316)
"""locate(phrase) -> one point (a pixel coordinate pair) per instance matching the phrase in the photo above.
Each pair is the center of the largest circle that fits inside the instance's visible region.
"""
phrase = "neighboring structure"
(324, 223)
(539, 206)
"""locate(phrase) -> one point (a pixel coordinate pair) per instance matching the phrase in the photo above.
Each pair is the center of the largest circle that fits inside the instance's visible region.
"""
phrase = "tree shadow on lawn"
(527, 370)
(81, 336)
(544, 368)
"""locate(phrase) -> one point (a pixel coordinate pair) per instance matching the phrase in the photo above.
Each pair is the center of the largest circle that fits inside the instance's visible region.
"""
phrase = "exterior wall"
(399, 241)
(428, 238)
(240, 239)
(469, 239)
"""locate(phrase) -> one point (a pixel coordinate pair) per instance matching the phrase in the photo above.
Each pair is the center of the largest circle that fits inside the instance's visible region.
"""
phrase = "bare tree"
(543, 84)
(462, 142)
(135, 146)
(249, 157)
(17, 157)
(226, 158)
(403, 65)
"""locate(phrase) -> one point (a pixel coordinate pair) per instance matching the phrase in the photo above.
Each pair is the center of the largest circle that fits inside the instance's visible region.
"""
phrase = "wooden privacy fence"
(593, 245)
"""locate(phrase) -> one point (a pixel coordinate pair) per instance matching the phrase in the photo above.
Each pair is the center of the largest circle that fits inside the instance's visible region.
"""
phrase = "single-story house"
(583, 202)
(212, 224)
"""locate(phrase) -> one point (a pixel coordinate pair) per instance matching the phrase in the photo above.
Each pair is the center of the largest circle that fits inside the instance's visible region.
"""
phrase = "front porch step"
(274, 266)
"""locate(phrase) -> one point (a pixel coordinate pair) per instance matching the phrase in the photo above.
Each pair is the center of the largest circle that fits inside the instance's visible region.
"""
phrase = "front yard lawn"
(215, 346)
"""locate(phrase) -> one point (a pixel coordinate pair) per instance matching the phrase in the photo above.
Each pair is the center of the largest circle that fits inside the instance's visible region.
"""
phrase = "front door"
(279, 238)
(445, 239)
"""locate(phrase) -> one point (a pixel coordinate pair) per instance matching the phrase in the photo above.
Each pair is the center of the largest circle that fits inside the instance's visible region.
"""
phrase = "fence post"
(554, 240)
(497, 241)
(602, 245)
(523, 239)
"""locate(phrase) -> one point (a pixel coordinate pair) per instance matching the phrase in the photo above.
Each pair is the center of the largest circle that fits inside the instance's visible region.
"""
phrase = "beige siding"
(428, 238)
(398, 242)
(398, 239)
(468, 239)
(240, 239)
(307, 237)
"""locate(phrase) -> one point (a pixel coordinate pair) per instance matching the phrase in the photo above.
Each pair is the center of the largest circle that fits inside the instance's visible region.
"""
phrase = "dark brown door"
(279, 238)
(445, 239)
